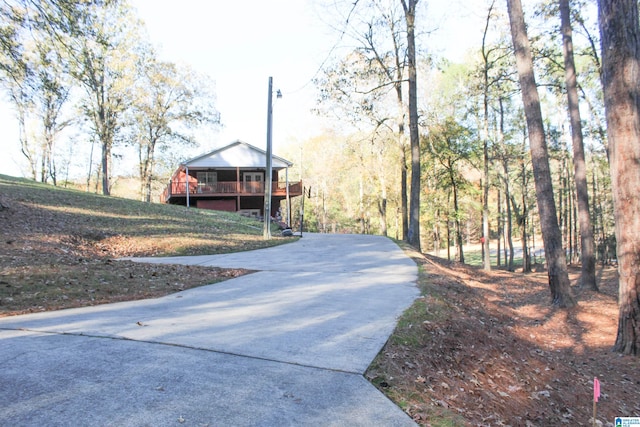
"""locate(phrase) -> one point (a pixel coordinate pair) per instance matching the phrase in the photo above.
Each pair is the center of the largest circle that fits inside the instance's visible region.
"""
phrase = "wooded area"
(517, 142)
(85, 71)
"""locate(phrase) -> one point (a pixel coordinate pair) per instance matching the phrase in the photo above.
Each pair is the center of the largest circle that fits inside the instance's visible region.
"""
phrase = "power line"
(330, 53)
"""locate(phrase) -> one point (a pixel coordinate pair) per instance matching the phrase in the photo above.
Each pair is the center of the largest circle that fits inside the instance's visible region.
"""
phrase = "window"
(208, 178)
(253, 182)
(206, 181)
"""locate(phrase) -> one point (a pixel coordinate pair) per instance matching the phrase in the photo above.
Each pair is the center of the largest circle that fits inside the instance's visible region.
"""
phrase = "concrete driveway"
(284, 346)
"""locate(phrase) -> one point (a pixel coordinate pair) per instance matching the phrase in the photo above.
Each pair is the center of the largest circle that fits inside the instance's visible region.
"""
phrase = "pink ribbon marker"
(596, 389)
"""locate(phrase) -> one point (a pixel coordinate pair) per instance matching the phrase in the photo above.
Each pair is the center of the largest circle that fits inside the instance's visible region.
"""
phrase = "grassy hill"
(57, 246)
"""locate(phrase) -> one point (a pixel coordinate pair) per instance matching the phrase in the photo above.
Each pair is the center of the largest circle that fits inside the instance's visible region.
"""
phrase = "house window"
(206, 181)
(253, 182)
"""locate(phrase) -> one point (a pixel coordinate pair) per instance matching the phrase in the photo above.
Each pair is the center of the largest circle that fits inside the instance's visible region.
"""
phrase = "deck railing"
(178, 188)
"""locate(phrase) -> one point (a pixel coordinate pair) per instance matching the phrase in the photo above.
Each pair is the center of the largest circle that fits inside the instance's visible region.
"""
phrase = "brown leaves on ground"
(67, 283)
(488, 349)
(54, 253)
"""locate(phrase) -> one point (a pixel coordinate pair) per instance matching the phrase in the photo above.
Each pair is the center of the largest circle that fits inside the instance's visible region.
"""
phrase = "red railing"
(178, 188)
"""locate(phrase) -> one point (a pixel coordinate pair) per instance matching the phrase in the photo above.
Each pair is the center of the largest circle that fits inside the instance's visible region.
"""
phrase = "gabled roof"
(236, 154)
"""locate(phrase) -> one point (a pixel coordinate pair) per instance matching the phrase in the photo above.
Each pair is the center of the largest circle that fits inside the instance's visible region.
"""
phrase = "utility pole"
(267, 179)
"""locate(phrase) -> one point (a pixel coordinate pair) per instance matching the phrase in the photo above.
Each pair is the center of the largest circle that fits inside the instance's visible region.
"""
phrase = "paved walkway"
(284, 346)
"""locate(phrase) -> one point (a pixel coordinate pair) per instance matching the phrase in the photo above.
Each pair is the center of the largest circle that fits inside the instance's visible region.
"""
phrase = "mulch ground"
(493, 352)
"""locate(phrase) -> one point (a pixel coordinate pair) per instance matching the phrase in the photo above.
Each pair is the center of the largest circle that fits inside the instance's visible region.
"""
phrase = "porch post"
(186, 171)
(288, 197)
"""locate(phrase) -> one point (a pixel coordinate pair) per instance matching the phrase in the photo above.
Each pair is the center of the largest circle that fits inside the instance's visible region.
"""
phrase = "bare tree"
(620, 43)
(169, 100)
(588, 273)
(394, 72)
(556, 264)
(373, 77)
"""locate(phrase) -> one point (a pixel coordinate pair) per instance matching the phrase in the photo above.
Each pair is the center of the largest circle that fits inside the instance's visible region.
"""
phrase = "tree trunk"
(105, 139)
(414, 207)
(403, 195)
(486, 255)
(106, 156)
(588, 260)
(24, 141)
(436, 233)
(523, 219)
(526, 257)
(382, 200)
(522, 222)
(499, 229)
(509, 225)
(507, 192)
(382, 210)
(51, 164)
(43, 164)
(448, 228)
(149, 162)
(361, 203)
(620, 38)
(89, 173)
(403, 148)
(510, 238)
(456, 213)
(556, 264)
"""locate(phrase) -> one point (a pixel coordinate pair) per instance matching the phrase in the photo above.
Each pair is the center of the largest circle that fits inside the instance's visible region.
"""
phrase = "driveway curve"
(286, 345)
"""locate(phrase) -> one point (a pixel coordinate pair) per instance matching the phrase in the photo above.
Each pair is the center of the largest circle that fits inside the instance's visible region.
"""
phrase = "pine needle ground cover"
(488, 349)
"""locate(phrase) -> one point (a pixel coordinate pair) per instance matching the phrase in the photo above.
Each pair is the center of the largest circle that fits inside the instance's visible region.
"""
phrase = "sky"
(240, 44)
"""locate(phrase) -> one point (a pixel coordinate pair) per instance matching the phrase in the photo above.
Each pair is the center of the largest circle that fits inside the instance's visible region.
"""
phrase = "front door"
(253, 182)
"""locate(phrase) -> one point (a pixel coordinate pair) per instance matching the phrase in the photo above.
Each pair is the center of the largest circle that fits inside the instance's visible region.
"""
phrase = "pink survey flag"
(596, 389)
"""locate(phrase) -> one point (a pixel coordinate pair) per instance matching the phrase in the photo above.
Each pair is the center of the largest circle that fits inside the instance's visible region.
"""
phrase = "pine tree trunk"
(526, 257)
(523, 220)
(507, 194)
(620, 39)
(486, 254)
(499, 228)
(448, 240)
(588, 259)
(456, 213)
(556, 264)
(509, 224)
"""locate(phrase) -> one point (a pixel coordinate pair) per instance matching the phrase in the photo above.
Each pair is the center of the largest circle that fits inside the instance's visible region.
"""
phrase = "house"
(231, 179)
